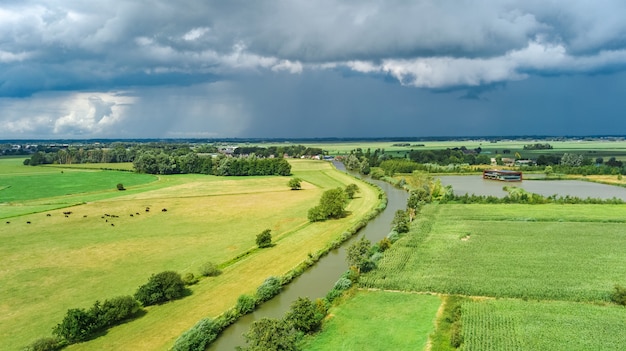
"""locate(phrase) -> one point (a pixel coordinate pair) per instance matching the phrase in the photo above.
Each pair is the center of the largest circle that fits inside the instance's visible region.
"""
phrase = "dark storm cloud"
(139, 56)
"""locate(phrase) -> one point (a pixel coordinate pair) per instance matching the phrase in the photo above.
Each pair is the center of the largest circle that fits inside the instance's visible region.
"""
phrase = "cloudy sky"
(301, 68)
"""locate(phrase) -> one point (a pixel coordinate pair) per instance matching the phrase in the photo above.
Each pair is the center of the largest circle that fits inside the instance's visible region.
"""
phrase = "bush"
(198, 337)
(76, 326)
(343, 284)
(264, 239)
(115, 310)
(295, 183)
(162, 287)
(270, 288)
(619, 295)
(190, 279)
(209, 269)
(45, 344)
(304, 315)
(120, 186)
(245, 304)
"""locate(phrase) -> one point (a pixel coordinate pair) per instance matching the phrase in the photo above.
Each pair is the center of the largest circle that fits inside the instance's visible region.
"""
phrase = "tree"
(401, 222)
(268, 334)
(352, 162)
(120, 186)
(350, 190)
(304, 315)
(264, 239)
(548, 170)
(77, 325)
(332, 205)
(161, 287)
(365, 167)
(295, 183)
(358, 255)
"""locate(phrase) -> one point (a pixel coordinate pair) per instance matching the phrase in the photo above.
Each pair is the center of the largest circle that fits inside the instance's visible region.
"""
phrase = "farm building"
(504, 175)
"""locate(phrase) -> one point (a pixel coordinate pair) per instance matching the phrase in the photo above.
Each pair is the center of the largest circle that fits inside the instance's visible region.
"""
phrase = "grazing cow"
(112, 225)
(131, 215)
(137, 213)
(28, 222)
(48, 215)
(8, 222)
(84, 216)
(164, 210)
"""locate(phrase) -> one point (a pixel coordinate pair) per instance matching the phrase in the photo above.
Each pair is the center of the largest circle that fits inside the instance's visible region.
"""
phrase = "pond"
(475, 184)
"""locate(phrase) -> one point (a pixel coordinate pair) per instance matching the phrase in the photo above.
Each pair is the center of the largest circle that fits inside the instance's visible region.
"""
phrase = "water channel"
(320, 278)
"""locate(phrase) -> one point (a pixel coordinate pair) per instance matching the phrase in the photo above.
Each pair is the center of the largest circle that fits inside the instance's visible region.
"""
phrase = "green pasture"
(516, 325)
(27, 189)
(57, 262)
(556, 252)
(376, 320)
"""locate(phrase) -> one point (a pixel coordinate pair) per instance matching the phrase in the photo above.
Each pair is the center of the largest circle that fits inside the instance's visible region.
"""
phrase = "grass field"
(57, 262)
(376, 320)
(528, 251)
(514, 325)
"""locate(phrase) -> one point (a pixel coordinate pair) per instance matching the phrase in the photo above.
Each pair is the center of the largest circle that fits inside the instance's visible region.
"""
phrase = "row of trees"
(149, 162)
(129, 152)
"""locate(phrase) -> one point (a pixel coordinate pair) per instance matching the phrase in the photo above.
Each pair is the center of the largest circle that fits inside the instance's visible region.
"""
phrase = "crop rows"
(556, 260)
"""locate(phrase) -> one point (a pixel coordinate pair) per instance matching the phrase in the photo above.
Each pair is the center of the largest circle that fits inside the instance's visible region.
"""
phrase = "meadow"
(370, 320)
(58, 262)
(555, 252)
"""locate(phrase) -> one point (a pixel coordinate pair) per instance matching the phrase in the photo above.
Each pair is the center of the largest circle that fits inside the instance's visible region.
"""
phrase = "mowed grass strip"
(378, 320)
(57, 262)
(452, 250)
(516, 325)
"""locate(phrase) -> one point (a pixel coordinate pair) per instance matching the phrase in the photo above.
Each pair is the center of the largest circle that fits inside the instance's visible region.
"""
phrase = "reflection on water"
(475, 184)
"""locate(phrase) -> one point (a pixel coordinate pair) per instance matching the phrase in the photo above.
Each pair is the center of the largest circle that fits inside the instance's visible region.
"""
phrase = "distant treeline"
(169, 158)
(221, 165)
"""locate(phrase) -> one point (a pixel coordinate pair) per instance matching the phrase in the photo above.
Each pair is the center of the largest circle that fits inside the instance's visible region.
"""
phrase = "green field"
(57, 262)
(535, 277)
(558, 252)
(514, 325)
(376, 320)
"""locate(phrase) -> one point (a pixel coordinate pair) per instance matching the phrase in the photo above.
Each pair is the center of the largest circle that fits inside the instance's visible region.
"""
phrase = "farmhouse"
(504, 175)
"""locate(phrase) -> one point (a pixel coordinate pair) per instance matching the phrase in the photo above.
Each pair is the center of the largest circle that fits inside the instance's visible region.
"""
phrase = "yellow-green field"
(57, 262)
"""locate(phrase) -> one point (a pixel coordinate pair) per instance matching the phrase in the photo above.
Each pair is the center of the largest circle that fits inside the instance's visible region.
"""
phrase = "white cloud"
(195, 33)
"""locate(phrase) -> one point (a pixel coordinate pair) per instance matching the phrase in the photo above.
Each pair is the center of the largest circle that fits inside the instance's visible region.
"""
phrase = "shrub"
(209, 269)
(245, 304)
(619, 295)
(350, 190)
(264, 239)
(190, 279)
(120, 186)
(162, 287)
(270, 288)
(45, 344)
(304, 315)
(76, 326)
(342, 284)
(295, 183)
(198, 337)
(115, 310)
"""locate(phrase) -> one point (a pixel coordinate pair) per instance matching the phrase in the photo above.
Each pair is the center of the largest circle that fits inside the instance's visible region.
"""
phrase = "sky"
(73, 69)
